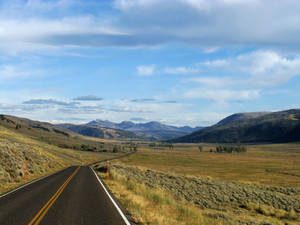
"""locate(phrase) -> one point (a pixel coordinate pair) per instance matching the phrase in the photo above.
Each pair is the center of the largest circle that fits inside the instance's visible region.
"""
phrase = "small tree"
(200, 148)
(115, 149)
(152, 145)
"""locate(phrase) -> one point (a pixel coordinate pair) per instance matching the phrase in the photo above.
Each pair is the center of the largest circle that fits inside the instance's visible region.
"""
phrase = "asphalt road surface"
(73, 196)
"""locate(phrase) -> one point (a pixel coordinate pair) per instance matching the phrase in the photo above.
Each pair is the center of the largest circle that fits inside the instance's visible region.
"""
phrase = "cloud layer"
(136, 23)
(88, 98)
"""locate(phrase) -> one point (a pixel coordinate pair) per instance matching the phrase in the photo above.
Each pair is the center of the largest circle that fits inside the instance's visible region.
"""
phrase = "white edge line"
(113, 201)
(24, 185)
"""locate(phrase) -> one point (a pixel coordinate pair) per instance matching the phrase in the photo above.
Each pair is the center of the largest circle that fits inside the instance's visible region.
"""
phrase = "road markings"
(113, 201)
(40, 215)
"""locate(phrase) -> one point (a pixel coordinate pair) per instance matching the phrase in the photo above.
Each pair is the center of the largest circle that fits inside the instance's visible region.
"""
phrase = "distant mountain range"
(150, 130)
(100, 132)
(258, 127)
(68, 134)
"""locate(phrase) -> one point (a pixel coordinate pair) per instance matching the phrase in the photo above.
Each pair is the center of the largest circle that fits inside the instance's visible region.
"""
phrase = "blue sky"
(181, 62)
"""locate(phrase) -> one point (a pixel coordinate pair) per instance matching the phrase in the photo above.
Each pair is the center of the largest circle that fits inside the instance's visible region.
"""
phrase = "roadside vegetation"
(255, 184)
(176, 199)
(148, 205)
(42, 158)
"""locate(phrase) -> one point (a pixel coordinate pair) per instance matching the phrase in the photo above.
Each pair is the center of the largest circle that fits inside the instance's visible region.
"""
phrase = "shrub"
(183, 211)
(130, 185)
(154, 197)
(115, 149)
(231, 149)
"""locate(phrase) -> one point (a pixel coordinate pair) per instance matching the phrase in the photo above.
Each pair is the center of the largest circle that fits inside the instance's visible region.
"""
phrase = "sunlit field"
(272, 164)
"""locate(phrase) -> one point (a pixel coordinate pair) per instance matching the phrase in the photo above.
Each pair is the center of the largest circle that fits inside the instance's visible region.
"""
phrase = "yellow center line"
(39, 216)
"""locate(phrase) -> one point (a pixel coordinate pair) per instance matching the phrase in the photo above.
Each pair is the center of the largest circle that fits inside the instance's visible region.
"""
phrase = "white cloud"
(211, 23)
(222, 96)
(145, 70)
(140, 23)
(180, 70)
(213, 81)
(12, 71)
(46, 5)
(216, 63)
(42, 33)
(258, 68)
(248, 75)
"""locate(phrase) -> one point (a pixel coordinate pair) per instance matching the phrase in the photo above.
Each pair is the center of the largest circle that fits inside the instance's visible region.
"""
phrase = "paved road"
(73, 196)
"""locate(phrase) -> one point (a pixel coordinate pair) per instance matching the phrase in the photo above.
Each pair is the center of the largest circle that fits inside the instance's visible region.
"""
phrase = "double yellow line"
(40, 215)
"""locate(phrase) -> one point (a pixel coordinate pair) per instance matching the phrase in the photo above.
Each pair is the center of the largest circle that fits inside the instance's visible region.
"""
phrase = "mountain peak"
(239, 116)
(152, 130)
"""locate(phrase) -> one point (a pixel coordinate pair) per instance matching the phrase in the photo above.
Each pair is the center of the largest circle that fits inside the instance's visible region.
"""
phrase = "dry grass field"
(273, 164)
(155, 206)
(260, 186)
(176, 199)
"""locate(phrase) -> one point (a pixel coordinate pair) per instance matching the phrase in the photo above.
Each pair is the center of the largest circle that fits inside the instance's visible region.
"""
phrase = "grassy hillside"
(49, 133)
(42, 158)
(276, 127)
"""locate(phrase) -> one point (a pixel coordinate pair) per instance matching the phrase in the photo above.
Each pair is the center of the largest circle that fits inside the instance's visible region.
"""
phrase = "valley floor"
(186, 186)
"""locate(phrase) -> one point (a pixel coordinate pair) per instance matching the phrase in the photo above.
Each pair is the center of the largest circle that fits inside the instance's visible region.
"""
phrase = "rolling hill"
(47, 133)
(21, 139)
(258, 127)
(151, 130)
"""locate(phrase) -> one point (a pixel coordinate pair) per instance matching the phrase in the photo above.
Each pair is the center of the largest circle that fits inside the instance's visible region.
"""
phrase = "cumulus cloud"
(248, 75)
(88, 98)
(259, 68)
(145, 70)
